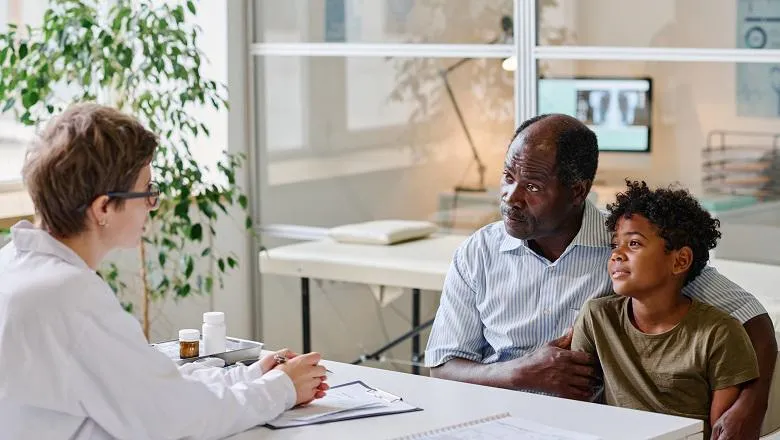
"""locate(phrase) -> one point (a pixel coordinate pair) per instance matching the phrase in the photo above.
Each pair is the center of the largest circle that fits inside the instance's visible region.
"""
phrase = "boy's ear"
(682, 260)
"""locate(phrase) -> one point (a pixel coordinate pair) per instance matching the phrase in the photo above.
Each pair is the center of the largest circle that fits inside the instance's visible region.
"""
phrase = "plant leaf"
(190, 267)
(8, 104)
(196, 232)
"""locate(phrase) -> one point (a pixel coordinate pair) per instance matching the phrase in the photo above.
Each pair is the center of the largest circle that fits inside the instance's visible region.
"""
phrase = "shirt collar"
(593, 232)
(26, 237)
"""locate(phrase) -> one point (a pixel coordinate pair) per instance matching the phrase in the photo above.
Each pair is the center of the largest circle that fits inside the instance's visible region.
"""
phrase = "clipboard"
(392, 404)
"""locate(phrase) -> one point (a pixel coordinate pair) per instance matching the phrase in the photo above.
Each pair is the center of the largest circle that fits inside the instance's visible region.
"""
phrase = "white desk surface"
(419, 264)
(446, 403)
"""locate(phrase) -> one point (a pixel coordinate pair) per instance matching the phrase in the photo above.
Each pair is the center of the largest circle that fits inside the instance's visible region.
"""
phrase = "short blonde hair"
(87, 151)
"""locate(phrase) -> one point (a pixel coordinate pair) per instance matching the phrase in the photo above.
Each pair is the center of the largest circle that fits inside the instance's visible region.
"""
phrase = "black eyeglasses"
(152, 195)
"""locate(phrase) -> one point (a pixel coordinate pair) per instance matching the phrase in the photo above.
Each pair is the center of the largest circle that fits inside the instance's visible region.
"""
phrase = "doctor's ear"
(99, 210)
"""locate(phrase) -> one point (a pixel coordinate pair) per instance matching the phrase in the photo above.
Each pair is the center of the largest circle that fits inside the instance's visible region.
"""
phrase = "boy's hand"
(564, 342)
(555, 369)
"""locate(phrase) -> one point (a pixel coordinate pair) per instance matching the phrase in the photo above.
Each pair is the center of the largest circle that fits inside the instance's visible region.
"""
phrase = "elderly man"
(515, 287)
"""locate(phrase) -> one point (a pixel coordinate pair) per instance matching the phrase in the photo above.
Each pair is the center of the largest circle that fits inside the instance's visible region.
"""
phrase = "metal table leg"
(306, 319)
(414, 334)
(415, 324)
(375, 355)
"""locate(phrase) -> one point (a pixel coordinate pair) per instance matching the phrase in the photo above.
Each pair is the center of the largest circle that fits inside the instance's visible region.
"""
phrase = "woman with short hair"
(74, 364)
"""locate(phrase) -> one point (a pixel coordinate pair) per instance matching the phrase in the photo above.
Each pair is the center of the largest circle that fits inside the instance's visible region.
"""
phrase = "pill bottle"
(214, 333)
(189, 341)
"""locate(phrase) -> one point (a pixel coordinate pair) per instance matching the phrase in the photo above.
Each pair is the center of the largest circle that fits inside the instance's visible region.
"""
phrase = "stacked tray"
(237, 350)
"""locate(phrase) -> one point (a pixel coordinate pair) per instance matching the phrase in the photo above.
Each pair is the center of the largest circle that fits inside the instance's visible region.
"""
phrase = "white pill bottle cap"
(214, 318)
(189, 335)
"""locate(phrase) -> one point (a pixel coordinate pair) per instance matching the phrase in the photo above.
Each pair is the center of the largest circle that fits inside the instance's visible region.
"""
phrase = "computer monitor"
(618, 110)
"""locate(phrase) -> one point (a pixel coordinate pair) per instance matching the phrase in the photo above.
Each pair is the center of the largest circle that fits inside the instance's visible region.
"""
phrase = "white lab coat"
(75, 365)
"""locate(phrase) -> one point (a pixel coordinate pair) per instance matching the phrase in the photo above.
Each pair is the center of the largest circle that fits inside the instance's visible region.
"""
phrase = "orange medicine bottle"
(189, 343)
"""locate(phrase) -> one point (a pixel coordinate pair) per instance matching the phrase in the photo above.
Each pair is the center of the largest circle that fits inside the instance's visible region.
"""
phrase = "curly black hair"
(679, 217)
(577, 149)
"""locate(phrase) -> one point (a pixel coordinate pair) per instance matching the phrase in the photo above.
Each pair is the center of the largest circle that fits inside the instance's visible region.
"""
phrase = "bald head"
(575, 145)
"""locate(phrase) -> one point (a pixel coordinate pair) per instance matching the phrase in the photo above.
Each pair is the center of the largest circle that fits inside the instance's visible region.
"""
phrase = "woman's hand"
(269, 362)
(307, 376)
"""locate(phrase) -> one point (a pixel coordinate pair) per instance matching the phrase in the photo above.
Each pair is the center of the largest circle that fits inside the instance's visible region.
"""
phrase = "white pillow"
(382, 231)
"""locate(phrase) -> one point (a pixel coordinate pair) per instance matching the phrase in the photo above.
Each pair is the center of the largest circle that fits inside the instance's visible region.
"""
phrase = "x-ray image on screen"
(618, 110)
(592, 106)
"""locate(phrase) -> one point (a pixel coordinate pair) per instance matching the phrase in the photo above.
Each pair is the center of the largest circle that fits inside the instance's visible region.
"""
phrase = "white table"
(420, 264)
(15, 205)
(446, 403)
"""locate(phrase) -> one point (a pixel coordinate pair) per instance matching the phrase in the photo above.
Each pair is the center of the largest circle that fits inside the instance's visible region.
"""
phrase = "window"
(211, 18)
(14, 136)
(716, 99)
(382, 139)
(380, 21)
(354, 124)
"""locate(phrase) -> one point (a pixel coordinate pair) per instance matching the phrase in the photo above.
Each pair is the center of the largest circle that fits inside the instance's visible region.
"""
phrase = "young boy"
(658, 349)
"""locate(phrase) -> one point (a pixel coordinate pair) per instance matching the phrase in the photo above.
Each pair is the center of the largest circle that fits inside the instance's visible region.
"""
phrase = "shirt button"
(546, 311)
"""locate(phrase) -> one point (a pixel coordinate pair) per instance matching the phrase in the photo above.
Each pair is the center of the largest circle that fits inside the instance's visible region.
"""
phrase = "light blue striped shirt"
(501, 300)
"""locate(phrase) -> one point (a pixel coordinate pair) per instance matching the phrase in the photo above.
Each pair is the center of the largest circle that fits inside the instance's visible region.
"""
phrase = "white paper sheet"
(505, 428)
(336, 401)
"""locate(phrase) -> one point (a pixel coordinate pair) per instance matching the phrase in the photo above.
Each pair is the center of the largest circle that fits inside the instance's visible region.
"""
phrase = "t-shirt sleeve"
(582, 337)
(732, 360)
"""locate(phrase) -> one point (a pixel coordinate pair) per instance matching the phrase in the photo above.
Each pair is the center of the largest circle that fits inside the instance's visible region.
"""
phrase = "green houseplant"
(141, 57)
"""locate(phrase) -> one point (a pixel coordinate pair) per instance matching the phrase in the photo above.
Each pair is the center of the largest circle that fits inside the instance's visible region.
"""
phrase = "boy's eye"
(633, 243)
(613, 245)
(532, 188)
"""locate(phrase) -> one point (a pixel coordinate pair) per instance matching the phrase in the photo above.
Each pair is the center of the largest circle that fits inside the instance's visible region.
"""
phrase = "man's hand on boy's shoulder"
(555, 369)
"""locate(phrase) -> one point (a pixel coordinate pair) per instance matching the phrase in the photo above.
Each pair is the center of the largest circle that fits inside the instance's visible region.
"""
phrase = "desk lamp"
(505, 38)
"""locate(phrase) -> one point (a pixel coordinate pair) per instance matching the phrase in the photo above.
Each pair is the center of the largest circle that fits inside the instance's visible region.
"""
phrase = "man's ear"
(682, 260)
(579, 191)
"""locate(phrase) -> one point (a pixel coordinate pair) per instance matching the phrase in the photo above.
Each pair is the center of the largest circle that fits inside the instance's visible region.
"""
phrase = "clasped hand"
(555, 369)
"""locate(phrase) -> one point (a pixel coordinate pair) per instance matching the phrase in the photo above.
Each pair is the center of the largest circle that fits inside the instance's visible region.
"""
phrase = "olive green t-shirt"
(674, 372)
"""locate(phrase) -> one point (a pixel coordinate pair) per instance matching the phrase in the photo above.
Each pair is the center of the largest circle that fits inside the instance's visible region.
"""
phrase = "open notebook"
(502, 426)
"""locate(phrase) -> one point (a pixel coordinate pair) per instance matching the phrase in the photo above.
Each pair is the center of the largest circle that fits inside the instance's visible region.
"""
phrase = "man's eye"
(508, 176)
(633, 243)
(532, 188)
